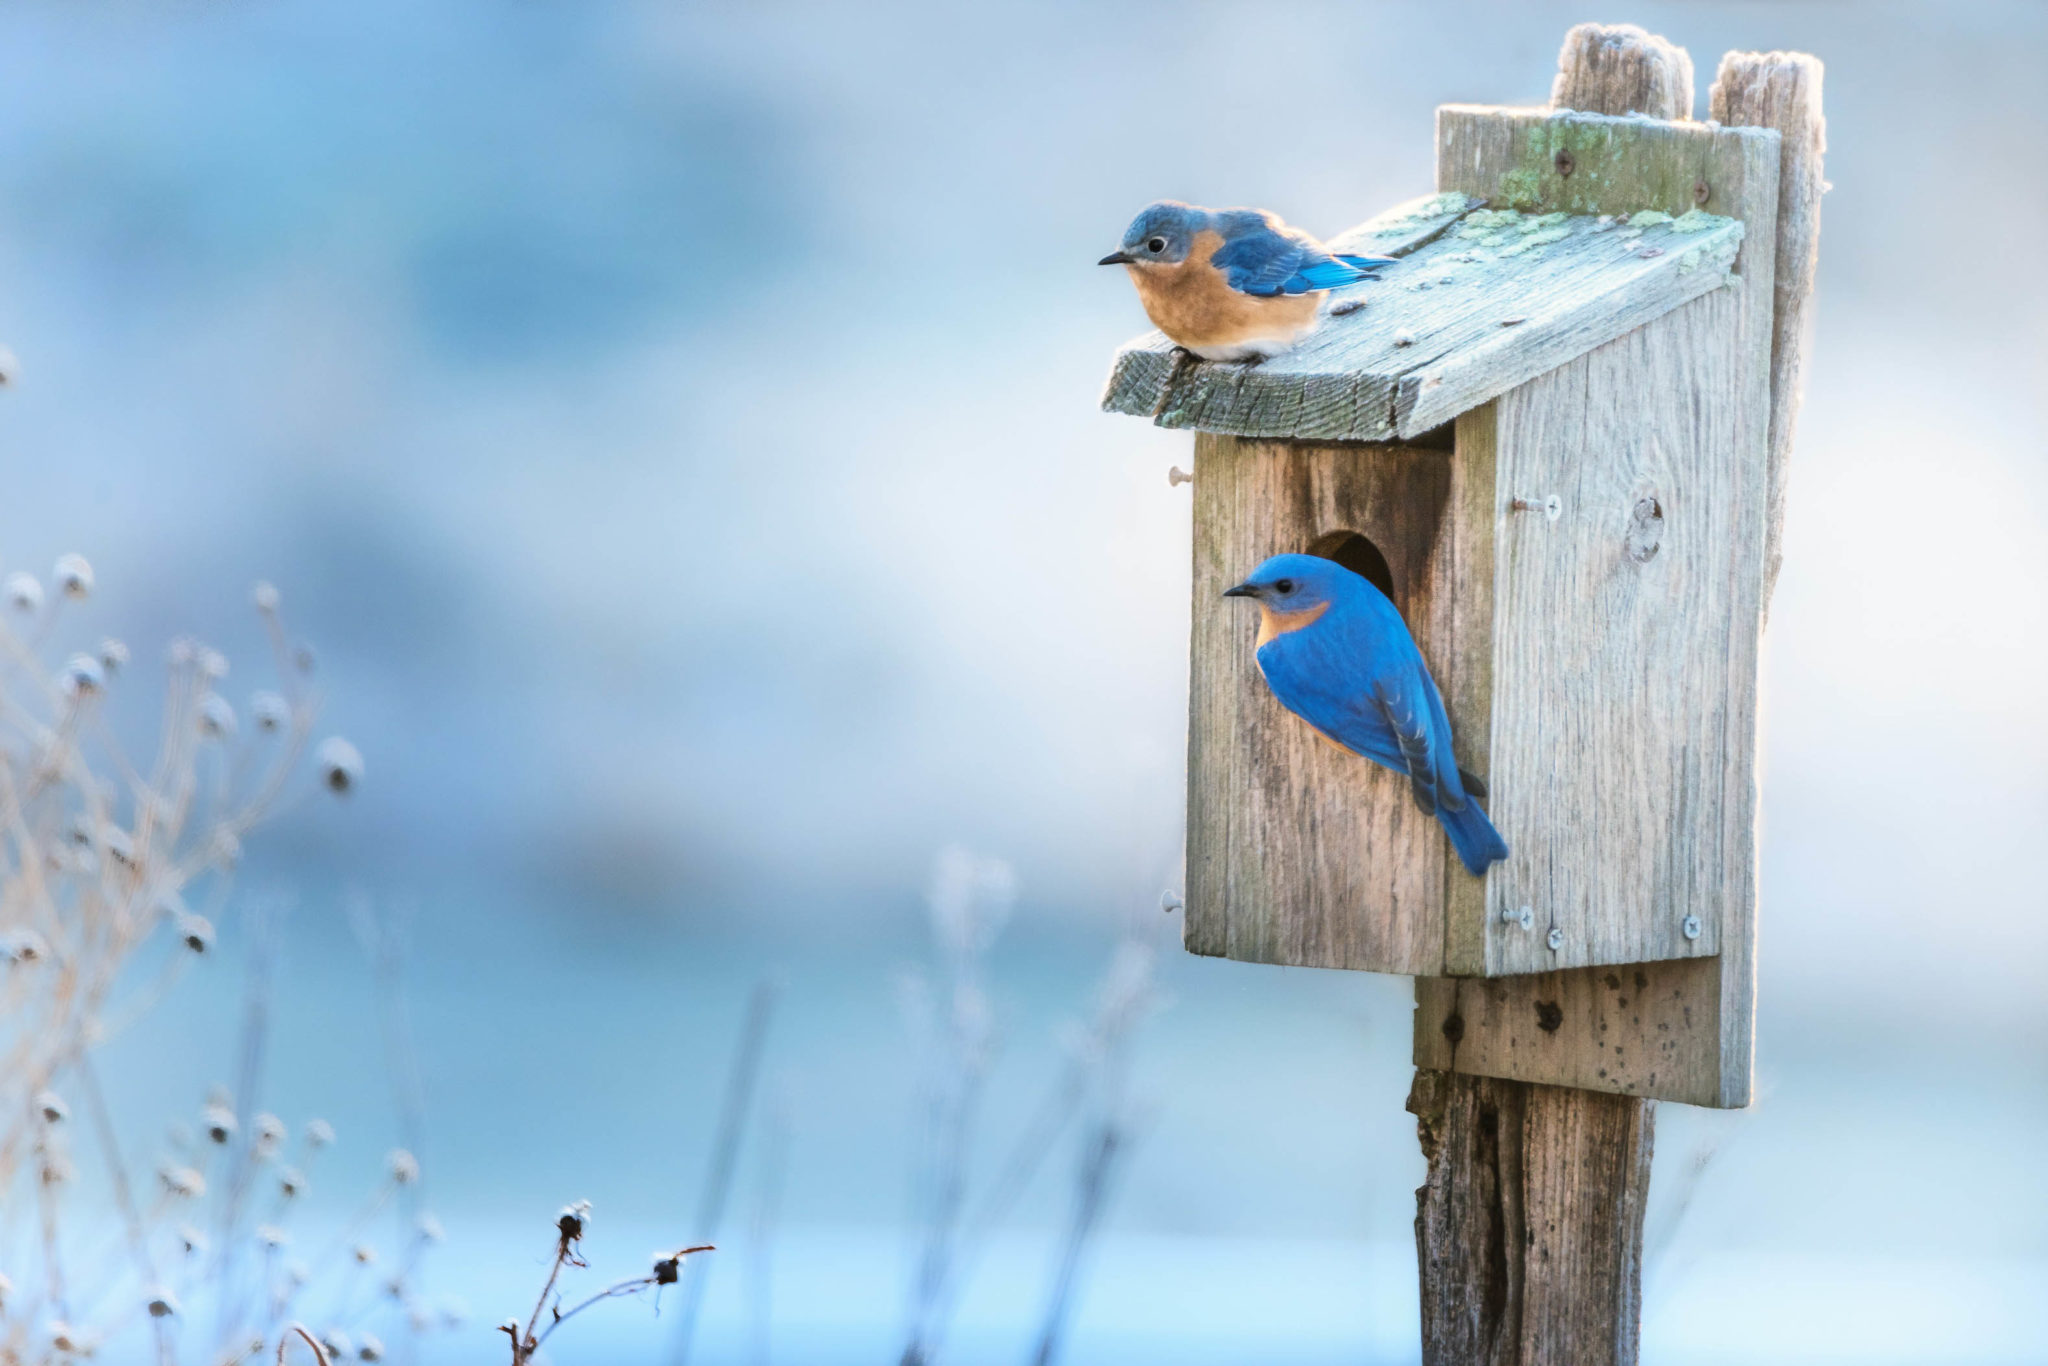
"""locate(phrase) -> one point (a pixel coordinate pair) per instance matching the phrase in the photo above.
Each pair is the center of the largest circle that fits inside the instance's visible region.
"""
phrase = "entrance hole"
(1359, 555)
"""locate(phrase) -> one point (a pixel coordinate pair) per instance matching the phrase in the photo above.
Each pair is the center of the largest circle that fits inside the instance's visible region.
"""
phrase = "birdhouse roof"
(1479, 301)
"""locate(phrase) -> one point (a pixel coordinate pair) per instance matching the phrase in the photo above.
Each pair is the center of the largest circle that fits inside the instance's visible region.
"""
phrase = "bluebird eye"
(1283, 586)
(1156, 245)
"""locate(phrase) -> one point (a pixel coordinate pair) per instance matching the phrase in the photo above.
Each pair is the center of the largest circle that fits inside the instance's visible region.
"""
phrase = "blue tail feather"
(1473, 836)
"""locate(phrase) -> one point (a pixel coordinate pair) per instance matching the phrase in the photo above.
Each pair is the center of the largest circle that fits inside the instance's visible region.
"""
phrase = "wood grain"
(1300, 852)
(1529, 1226)
(1622, 69)
(1782, 90)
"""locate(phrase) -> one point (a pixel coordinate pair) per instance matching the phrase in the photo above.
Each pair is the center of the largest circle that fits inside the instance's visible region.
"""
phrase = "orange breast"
(1191, 303)
(1274, 624)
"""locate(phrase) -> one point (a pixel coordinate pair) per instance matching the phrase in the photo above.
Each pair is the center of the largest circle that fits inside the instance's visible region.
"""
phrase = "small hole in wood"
(1359, 555)
(1549, 1015)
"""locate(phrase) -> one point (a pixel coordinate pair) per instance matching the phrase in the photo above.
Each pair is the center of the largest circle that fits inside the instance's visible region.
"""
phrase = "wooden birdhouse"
(1545, 433)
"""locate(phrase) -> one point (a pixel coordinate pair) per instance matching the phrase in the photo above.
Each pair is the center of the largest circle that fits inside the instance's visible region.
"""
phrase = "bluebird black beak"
(1115, 258)
(1243, 590)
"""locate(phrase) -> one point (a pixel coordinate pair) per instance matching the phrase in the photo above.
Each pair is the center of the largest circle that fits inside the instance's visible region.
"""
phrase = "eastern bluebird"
(1337, 654)
(1231, 284)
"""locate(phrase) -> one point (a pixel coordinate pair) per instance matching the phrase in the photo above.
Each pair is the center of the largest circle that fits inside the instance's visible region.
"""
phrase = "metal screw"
(1551, 507)
(1555, 939)
(1524, 916)
(1565, 162)
(1690, 927)
(1177, 476)
(1169, 901)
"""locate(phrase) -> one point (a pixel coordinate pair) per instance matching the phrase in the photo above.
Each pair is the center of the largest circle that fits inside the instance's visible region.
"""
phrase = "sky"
(674, 426)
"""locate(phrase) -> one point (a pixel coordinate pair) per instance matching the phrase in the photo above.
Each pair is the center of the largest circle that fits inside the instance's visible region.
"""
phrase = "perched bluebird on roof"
(1231, 284)
(1337, 654)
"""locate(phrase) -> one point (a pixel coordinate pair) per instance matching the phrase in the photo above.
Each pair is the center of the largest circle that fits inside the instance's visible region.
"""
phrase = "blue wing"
(1262, 259)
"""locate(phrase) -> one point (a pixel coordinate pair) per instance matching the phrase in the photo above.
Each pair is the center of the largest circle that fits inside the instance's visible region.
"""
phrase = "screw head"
(1690, 927)
(1524, 916)
(1553, 507)
(1177, 476)
(1555, 939)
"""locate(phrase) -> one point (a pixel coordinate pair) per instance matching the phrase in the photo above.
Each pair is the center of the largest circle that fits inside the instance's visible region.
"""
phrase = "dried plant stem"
(319, 1352)
(124, 1194)
(632, 1286)
(739, 1093)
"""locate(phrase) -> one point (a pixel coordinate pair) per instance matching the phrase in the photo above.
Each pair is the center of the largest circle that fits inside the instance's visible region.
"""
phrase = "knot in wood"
(1645, 530)
(1565, 162)
(1700, 191)
(1549, 1016)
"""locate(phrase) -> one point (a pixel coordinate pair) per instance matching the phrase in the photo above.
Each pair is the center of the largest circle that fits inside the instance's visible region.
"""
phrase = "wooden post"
(1781, 90)
(1529, 1230)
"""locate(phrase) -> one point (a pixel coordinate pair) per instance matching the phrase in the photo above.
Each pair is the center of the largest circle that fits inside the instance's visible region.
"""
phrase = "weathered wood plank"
(1622, 69)
(1529, 1226)
(1480, 302)
(1300, 852)
(1782, 90)
(1643, 1029)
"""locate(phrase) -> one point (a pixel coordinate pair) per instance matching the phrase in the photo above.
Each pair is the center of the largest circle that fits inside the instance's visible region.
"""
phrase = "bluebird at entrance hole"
(1337, 654)
(1231, 284)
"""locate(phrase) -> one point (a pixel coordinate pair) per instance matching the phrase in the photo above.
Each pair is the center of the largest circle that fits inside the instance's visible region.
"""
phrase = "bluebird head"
(1296, 583)
(1163, 234)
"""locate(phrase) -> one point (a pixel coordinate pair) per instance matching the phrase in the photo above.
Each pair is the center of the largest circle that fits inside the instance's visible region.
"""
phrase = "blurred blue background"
(674, 426)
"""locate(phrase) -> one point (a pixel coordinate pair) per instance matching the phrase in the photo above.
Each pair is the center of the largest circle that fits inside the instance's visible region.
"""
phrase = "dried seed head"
(83, 676)
(667, 1268)
(57, 1169)
(195, 932)
(183, 1183)
(395, 1287)
(62, 1339)
(341, 765)
(454, 1312)
(430, 1229)
(264, 595)
(297, 1272)
(23, 591)
(25, 946)
(369, 1347)
(52, 1108)
(337, 1344)
(420, 1318)
(573, 1220)
(191, 1239)
(113, 654)
(216, 717)
(271, 1237)
(319, 1133)
(219, 1122)
(73, 576)
(213, 664)
(291, 1183)
(179, 652)
(271, 712)
(270, 1133)
(162, 1304)
(403, 1166)
(119, 847)
(364, 1254)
